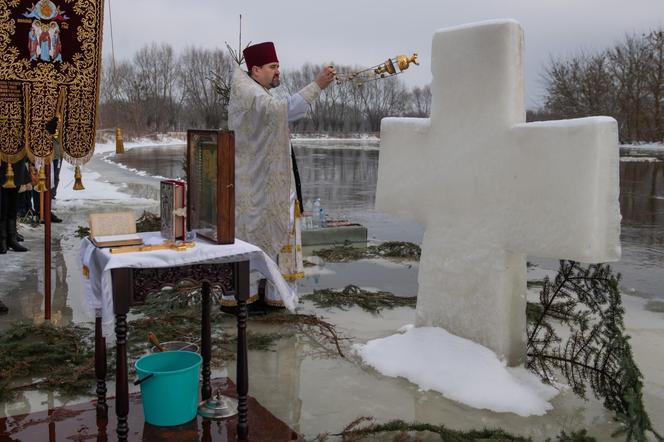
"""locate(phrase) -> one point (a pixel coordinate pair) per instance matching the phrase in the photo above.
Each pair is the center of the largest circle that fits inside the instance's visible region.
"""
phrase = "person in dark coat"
(9, 238)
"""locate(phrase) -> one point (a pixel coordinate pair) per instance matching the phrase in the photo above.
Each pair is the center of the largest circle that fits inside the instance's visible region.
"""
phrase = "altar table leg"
(100, 369)
(121, 385)
(242, 295)
(206, 340)
(123, 289)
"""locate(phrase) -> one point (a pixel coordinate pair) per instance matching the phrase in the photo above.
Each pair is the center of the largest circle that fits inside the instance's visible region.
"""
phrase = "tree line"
(158, 90)
(625, 82)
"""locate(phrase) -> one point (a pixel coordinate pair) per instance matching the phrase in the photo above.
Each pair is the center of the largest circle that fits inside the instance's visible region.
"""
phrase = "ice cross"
(491, 189)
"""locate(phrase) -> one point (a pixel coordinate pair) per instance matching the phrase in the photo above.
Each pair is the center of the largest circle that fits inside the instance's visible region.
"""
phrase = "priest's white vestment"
(265, 195)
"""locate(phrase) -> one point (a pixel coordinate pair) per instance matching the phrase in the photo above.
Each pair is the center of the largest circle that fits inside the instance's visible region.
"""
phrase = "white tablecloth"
(100, 262)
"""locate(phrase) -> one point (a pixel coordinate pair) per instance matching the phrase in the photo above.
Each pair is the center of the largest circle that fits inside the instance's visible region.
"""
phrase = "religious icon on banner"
(49, 78)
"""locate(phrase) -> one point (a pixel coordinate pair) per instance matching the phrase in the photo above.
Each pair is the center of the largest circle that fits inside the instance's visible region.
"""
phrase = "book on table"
(114, 229)
(172, 196)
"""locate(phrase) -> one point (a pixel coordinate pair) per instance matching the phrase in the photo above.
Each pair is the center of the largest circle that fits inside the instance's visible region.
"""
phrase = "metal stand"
(219, 408)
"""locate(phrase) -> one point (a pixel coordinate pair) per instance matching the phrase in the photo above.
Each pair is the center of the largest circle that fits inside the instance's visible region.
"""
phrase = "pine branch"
(597, 353)
(547, 300)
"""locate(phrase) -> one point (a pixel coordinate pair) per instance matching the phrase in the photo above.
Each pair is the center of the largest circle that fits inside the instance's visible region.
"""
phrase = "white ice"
(491, 189)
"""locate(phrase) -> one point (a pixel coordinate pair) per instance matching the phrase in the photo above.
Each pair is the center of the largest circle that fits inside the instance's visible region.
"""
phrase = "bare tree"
(199, 69)
(158, 91)
(629, 66)
(156, 80)
(382, 98)
(420, 102)
(655, 81)
(580, 86)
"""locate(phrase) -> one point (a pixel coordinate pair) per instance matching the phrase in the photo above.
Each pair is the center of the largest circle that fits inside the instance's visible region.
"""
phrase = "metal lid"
(218, 408)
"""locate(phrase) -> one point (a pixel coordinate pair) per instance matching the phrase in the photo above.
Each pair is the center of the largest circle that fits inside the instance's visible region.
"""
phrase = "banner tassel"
(9, 184)
(78, 183)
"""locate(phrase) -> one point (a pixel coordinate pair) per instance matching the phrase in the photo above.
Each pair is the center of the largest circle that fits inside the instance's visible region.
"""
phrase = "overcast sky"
(365, 33)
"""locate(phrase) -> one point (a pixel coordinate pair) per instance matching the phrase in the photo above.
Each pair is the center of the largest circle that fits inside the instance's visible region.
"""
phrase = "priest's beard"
(275, 82)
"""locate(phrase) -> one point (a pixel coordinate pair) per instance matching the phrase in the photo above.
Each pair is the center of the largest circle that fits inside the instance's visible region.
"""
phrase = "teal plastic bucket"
(170, 395)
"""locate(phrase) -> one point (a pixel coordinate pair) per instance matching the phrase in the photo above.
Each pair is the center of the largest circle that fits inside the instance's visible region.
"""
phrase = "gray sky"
(365, 33)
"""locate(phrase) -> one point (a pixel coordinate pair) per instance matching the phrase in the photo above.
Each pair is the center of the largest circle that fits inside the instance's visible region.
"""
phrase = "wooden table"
(131, 286)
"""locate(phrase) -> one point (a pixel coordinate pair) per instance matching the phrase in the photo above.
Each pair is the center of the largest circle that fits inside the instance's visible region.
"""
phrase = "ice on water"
(491, 189)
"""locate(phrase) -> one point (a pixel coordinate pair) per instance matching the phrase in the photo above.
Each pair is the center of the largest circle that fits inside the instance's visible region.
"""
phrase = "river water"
(343, 175)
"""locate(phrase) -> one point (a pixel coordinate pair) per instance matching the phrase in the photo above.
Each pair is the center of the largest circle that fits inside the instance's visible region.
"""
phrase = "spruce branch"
(597, 354)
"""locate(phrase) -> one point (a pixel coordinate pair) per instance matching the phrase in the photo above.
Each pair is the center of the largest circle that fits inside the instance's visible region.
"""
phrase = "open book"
(114, 229)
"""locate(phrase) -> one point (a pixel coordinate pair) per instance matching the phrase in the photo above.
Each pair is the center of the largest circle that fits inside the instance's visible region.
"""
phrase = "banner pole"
(46, 215)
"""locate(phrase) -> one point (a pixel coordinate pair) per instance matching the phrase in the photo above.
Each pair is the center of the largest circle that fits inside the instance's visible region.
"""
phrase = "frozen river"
(343, 174)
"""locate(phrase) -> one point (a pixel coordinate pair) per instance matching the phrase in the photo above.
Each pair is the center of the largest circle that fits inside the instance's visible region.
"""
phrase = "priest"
(267, 201)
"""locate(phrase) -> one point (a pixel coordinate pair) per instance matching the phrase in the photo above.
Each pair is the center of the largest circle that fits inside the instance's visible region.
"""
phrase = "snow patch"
(460, 369)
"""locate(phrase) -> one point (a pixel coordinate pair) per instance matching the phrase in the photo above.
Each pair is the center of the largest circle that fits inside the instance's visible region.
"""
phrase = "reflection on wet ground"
(310, 389)
(79, 422)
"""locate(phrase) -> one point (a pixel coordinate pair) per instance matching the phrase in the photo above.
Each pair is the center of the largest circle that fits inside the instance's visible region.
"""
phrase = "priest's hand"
(325, 77)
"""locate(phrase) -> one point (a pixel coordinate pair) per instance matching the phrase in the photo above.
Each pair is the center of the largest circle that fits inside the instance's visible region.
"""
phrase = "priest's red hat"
(260, 54)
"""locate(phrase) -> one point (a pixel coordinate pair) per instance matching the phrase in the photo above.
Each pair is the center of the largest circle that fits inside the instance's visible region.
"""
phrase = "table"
(115, 282)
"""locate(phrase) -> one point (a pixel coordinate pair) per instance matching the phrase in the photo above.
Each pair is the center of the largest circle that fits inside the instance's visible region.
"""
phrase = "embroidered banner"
(50, 60)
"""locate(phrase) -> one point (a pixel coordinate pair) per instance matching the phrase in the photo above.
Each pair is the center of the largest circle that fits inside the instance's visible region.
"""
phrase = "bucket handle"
(140, 381)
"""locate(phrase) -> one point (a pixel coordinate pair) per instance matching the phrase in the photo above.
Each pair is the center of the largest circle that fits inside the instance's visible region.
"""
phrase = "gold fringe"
(86, 272)
(78, 183)
(44, 160)
(13, 159)
(77, 161)
(293, 276)
(233, 302)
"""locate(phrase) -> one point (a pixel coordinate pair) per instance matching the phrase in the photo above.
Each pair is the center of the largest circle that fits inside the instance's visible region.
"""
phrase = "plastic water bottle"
(321, 216)
(316, 213)
(308, 222)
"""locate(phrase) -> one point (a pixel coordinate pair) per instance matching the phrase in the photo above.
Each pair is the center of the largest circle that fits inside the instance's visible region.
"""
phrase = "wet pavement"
(80, 423)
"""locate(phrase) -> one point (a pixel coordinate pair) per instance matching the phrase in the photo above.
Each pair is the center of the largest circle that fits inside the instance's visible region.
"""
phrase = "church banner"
(50, 60)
